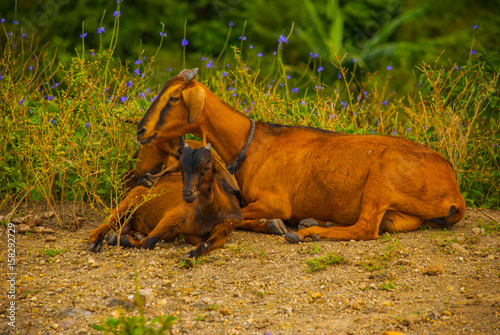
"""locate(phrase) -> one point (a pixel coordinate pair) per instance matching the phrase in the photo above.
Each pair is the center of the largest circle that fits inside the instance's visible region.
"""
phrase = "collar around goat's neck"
(242, 155)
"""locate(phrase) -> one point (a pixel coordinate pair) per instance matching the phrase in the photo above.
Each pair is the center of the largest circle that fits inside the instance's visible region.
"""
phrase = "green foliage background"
(417, 69)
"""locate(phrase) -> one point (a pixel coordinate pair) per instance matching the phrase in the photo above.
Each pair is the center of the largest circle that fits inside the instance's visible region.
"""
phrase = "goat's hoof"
(276, 227)
(306, 223)
(293, 237)
(191, 254)
(146, 181)
(96, 245)
(112, 239)
(139, 236)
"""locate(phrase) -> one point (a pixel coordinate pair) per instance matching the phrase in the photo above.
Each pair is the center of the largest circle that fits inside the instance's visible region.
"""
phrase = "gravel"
(422, 282)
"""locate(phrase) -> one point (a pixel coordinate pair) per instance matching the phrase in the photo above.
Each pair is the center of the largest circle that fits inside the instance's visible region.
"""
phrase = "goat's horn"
(208, 146)
(186, 145)
(188, 75)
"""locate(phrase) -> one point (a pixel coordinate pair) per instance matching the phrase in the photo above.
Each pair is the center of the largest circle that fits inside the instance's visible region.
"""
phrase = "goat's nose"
(187, 193)
(141, 131)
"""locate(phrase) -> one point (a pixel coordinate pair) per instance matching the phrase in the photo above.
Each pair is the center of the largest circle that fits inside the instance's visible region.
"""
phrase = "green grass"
(490, 227)
(68, 129)
(53, 252)
(311, 250)
(321, 263)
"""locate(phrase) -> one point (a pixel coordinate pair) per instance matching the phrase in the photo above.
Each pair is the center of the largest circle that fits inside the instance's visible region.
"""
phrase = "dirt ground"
(423, 282)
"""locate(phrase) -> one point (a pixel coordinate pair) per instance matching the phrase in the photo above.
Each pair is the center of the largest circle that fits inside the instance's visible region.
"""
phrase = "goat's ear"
(222, 173)
(194, 98)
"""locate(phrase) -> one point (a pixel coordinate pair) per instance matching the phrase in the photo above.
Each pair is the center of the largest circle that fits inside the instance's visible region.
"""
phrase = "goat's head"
(174, 111)
(196, 167)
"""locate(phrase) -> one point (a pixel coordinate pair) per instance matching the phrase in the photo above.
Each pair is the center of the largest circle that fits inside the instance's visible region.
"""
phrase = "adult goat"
(362, 184)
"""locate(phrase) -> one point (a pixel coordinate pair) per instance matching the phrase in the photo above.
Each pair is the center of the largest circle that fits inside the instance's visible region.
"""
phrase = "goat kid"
(167, 215)
(208, 214)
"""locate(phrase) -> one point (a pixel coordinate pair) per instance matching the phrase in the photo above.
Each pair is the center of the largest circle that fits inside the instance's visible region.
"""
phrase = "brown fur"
(163, 215)
(364, 184)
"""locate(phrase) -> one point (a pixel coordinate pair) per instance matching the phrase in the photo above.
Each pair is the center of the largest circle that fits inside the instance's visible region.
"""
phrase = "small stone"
(225, 311)
(198, 304)
(47, 215)
(316, 295)
(17, 221)
(447, 312)
(55, 326)
(476, 230)
(433, 270)
(32, 220)
(410, 319)
(115, 302)
(48, 231)
(50, 238)
(37, 230)
(24, 228)
(73, 312)
(457, 247)
(433, 316)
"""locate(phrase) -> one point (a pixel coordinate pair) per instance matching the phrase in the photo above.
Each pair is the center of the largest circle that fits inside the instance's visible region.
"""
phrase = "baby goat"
(209, 212)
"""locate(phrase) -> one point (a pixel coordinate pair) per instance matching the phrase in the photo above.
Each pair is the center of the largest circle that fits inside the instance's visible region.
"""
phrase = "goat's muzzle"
(189, 196)
(143, 141)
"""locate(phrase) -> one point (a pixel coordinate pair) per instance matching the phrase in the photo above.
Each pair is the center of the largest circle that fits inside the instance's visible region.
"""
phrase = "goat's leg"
(257, 215)
(217, 238)
(169, 227)
(96, 236)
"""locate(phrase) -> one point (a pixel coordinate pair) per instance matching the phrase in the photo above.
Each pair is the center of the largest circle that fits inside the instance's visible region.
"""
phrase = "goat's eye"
(174, 99)
(206, 169)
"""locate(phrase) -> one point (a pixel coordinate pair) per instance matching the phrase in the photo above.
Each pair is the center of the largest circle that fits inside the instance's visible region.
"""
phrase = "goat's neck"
(226, 128)
(208, 203)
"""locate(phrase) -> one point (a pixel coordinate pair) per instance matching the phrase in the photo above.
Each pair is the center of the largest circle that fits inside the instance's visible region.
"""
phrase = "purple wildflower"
(116, 13)
(244, 38)
(83, 35)
(389, 68)
(475, 27)
(129, 83)
(100, 30)
(295, 90)
(231, 24)
(394, 133)
(184, 42)
(260, 54)
(354, 60)
(136, 72)
(16, 22)
(163, 35)
(282, 39)
(21, 102)
(123, 99)
(473, 52)
(224, 73)
(87, 125)
(320, 69)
